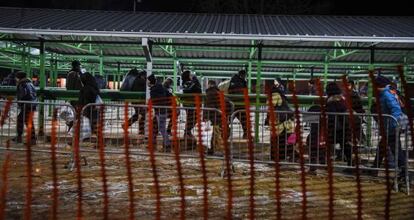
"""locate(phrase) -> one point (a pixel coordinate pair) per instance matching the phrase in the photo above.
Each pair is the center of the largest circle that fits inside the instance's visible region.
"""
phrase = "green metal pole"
(249, 75)
(370, 94)
(29, 66)
(258, 90)
(101, 65)
(325, 73)
(54, 65)
(175, 75)
(42, 80)
(118, 74)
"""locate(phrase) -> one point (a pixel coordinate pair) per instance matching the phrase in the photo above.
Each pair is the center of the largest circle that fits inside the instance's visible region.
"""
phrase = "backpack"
(128, 82)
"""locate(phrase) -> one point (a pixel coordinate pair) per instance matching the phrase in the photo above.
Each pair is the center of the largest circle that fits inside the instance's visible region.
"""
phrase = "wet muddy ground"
(345, 191)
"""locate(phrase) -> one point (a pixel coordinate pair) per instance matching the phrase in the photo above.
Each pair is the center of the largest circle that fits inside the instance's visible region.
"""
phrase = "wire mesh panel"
(126, 179)
(18, 116)
(339, 140)
(136, 119)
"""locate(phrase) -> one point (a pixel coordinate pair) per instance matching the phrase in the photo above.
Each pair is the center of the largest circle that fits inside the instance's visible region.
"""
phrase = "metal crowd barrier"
(339, 135)
(136, 117)
(18, 119)
(114, 117)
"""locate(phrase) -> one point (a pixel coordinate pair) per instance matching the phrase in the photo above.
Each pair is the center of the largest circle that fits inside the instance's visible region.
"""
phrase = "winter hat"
(151, 78)
(76, 63)
(21, 75)
(333, 89)
(382, 81)
(242, 73)
(186, 76)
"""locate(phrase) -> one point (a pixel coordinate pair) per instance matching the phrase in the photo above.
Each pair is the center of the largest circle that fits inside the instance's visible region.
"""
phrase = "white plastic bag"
(98, 100)
(85, 130)
(206, 134)
(66, 114)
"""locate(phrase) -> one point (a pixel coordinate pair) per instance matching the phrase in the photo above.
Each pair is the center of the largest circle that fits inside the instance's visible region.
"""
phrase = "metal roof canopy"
(290, 43)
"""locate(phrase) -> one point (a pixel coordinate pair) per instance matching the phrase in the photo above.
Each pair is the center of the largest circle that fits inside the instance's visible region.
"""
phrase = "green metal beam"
(8, 57)
(101, 63)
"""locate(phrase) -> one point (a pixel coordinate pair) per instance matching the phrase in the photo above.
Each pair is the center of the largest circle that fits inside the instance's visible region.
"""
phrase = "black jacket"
(139, 85)
(87, 95)
(357, 102)
(237, 84)
(191, 87)
(159, 97)
(338, 125)
(73, 81)
(101, 82)
(26, 92)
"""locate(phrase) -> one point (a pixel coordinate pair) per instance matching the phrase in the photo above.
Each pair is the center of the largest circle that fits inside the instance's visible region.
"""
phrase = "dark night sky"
(333, 7)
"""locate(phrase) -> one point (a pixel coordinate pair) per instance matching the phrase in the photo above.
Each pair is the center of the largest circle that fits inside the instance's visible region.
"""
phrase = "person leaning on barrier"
(338, 125)
(213, 101)
(88, 95)
(237, 86)
(191, 86)
(160, 98)
(391, 104)
(25, 92)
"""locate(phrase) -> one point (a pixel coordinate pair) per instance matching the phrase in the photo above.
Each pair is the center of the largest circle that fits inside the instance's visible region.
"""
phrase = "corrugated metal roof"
(105, 23)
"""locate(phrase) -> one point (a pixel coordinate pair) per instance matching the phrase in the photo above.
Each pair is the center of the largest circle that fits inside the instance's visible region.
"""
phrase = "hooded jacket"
(390, 105)
(192, 86)
(73, 81)
(89, 91)
(26, 92)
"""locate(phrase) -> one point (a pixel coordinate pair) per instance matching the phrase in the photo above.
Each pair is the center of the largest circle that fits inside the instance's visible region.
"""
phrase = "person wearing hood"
(391, 104)
(73, 81)
(338, 125)
(136, 81)
(25, 92)
(284, 121)
(191, 86)
(237, 85)
(212, 100)
(357, 105)
(160, 98)
(88, 95)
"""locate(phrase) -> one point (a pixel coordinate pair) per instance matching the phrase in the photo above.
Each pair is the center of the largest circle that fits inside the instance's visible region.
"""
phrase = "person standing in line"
(237, 85)
(191, 86)
(160, 98)
(25, 92)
